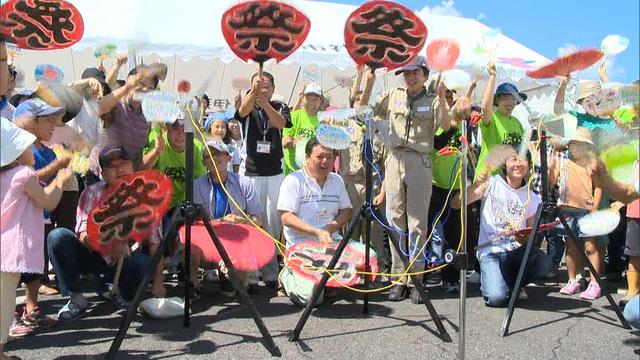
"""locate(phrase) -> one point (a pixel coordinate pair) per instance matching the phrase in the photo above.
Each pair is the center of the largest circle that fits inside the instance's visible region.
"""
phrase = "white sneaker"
(523, 295)
(473, 277)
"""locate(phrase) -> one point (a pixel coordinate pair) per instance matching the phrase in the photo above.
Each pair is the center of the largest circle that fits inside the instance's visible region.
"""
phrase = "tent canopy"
(187, 36)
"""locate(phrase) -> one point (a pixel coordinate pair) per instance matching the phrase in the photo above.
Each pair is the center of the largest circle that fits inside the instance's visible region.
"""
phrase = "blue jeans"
(632, 312)
(555, 246)
(70, 258)
(498, 273)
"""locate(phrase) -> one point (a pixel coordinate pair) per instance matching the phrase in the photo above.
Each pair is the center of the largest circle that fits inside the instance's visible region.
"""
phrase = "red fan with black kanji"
(131, 211)
(384, 34)
(260, 30)
(567, 64)
(308, 260)
(247, 246)
(41, 24)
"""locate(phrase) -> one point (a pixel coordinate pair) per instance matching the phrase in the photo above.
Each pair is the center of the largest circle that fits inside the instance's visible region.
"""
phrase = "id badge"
(263, 147)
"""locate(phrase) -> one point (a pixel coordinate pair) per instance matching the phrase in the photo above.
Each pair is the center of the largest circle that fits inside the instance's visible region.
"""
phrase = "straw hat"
(582, 134)
(587, 88)
(14, 142)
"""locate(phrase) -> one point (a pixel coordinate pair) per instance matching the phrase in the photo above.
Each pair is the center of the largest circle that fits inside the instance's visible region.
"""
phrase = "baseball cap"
(19, 95)
(36, 107)
(313, 88)
(418, 62)
(110, 153)
(218, 145)
(95, 73)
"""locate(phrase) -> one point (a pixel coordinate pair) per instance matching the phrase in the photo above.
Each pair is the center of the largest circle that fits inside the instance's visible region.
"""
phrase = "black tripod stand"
(189, 213)
(365, 213)
(548, 210)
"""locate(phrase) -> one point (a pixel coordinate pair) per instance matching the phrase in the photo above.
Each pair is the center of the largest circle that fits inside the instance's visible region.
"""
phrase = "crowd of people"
(264, 154)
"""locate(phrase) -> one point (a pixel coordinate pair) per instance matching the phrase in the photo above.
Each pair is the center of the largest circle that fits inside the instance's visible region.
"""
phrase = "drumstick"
(116, 278)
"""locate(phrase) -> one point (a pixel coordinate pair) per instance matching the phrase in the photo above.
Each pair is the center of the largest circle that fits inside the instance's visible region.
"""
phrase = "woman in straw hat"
(21, 210)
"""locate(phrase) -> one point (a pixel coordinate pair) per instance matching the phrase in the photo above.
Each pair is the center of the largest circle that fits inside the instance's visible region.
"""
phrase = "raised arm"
(602, 72)
(368, 87)
(356, 83)
(48, 197)
(112, 74)
(558, 104)
(472, 88)
(442, 109)
(475, 192)
(248, 102)
(487, 99)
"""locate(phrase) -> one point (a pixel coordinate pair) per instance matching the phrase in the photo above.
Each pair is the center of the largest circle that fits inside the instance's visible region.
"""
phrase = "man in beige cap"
(413, 115)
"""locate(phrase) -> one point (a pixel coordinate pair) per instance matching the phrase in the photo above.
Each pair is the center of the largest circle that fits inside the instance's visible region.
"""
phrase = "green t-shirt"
(303, 128)
(173, 164)
(500, 128)
(442, 165)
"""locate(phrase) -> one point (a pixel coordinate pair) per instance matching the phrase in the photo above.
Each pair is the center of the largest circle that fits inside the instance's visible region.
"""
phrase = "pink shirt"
(21, 224)
(633, 210)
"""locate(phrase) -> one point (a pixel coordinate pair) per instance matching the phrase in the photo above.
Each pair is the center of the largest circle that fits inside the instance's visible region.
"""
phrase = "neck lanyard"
(412, 100)
(262, 122)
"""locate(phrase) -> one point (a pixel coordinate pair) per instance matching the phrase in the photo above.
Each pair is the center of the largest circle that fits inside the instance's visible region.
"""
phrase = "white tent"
(186, 35)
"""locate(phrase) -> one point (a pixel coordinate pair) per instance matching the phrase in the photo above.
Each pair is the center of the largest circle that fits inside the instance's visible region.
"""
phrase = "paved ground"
(546, 326)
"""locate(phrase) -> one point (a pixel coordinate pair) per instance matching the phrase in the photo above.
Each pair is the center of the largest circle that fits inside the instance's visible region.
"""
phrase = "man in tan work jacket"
(413, 115)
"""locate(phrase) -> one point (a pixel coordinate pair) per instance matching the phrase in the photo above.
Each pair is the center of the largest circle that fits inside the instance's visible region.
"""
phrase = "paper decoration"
(567, 64)
(344, 82)
(333, 137)
(184, 86)
(160, 106)
(307, 259)
(614, 44)
(442, 54)
(248, 247)
(63, 96)
(48, 72)
(79, 159)
(384, 34)
(619, 160)
(130, 211)
(40, 24)
(263, 30)
(105, 51)
(240, 84)
(517, 62)
(599, 223)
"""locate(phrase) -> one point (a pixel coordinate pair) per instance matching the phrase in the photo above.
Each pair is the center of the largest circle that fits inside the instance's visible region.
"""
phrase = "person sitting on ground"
(314, 206)
(72, 255)
(208, 191)
(166, 153)
(508, 205)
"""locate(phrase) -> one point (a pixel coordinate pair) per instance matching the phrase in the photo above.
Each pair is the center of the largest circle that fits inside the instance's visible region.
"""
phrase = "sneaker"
(398, 292)
(523, 295)
(414, 296)
(70, 311)
(592, 292)
(19, 328)
(116, 298)
(473, 277)
(450, 287)
(37, 319)
(226, 289)
(572, 287)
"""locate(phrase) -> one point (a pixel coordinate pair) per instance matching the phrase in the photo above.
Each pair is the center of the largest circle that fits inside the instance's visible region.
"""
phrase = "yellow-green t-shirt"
(173, 164)
(495, 133)
(303, 129)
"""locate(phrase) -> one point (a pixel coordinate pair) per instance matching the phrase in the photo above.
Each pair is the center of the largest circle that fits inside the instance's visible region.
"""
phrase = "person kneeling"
(208, 191)
(507, 205)
(314, 205)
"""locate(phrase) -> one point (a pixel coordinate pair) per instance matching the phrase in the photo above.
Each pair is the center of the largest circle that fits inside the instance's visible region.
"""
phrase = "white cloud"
(446, 7)
(481, 17)
(567, 49)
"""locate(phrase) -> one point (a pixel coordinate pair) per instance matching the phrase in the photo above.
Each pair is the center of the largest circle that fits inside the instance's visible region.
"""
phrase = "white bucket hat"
(14, 142)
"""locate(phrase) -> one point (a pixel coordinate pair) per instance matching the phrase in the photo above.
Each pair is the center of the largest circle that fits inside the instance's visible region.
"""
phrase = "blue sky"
(552, 26)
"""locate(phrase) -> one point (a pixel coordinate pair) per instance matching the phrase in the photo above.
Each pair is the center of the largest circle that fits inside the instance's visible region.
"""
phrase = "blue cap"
(36, 107)
(509, 88)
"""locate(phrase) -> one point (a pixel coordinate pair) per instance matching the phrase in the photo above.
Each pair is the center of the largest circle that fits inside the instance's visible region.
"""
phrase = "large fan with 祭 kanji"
(130, 211)
(41, 25)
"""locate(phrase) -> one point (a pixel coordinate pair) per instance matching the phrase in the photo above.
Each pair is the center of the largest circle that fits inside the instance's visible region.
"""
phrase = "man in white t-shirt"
(314, 205)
